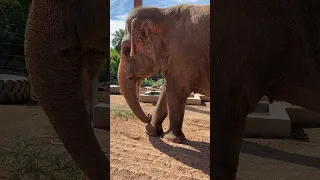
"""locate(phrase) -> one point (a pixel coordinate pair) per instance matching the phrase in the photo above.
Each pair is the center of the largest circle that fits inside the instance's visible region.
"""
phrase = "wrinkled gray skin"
(176, 42)
(63, 39)
(264, 47)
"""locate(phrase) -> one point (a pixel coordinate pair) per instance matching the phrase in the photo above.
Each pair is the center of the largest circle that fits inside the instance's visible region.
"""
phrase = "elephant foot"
(176, 137)
(153, 131)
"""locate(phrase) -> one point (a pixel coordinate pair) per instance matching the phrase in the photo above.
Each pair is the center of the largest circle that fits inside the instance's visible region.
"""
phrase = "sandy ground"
(137, 156)
(30, 122)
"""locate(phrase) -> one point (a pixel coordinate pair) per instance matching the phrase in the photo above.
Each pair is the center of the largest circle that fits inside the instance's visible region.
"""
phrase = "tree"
(103, 75)
(116, 41)
(114, 64)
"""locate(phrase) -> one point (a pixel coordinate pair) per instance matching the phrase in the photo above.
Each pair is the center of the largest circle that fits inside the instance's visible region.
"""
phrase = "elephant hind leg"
(229, 109)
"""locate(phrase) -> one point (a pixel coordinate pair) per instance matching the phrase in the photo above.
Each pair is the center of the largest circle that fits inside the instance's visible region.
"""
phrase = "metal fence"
(11, 63)
(12, 29)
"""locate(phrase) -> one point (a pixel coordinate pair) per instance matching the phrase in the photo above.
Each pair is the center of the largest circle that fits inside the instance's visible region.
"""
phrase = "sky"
(119, 9)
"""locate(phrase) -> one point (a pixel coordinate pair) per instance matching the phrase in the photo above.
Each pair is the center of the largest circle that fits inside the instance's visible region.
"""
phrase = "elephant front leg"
(176, 106)
(154, 128)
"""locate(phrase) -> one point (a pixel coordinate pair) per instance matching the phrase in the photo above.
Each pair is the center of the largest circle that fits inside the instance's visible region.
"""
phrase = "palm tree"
(116, 41)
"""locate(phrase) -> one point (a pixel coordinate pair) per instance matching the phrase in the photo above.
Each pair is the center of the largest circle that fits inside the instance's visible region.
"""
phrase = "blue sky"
(119, 9)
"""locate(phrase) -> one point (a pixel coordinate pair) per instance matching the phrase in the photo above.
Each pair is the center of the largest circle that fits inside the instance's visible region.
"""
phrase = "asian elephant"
(62, 40)
(265, 47)
(176, 42)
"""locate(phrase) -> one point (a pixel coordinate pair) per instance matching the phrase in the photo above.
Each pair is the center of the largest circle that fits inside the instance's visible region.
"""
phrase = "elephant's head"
(143, 49)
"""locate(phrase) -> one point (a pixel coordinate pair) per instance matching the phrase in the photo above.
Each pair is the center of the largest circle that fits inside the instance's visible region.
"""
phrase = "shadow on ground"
(188, 108)
(260, 150)
(198, 159)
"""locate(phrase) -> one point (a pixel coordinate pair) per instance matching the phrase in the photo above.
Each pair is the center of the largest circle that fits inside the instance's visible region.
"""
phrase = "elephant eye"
(127, 52)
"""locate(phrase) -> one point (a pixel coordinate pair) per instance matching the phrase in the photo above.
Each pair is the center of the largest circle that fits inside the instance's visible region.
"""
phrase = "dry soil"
(137, 156)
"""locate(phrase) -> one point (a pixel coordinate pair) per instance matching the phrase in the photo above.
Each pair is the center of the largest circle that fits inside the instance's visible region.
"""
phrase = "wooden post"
(137, 3)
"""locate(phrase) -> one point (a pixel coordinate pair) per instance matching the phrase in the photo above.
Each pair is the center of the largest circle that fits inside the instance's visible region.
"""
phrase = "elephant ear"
(141, 31)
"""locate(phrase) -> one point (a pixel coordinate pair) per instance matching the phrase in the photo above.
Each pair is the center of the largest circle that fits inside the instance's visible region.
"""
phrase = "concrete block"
(272, 122)
(195, 100)
(262, 108)
(203, 97)
(153, 97)
(300, 116)
(148, 98)
(101, 116)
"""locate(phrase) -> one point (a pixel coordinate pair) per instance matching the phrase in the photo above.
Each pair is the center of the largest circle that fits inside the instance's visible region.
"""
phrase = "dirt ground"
(137, 156)
(29, 146)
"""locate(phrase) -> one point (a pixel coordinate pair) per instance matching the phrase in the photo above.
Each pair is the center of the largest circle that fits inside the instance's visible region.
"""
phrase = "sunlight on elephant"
(176, 42)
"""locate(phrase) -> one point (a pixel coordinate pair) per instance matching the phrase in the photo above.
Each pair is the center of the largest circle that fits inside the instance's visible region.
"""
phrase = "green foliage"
(8, 8)
(114, 65)
(159, 82)
(116, 41)
(147, 82)
(104, 72)
(13, 17)
(122, 113)
(115, 55)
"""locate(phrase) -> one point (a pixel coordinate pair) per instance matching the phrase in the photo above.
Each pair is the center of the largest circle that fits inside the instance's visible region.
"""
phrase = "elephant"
(175, 42)
(259, 48)
(64, 39)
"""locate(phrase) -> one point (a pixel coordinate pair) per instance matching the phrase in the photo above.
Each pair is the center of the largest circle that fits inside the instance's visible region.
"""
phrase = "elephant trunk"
(64, 105)
(130, 87)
